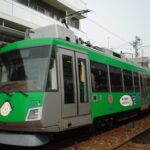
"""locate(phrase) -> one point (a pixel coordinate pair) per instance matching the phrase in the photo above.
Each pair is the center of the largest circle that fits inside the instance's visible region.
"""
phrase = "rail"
(129, 139)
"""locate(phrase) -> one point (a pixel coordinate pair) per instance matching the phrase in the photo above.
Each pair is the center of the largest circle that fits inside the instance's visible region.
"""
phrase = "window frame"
(139, 84)
(122, 83)
(126, 73)
(53, 50)
(148, 87)
(105, 66)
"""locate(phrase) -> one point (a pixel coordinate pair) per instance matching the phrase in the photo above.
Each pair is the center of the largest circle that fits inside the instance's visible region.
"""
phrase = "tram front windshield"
(24, 69)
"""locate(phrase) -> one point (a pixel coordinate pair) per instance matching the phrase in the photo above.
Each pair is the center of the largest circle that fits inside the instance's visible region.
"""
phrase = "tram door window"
(82, 80)
(68, 79)
(115, 79)
(128, 82)
(99, 77)
(136, 81)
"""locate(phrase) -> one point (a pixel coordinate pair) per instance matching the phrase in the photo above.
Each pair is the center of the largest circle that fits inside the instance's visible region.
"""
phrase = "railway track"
(136, 142)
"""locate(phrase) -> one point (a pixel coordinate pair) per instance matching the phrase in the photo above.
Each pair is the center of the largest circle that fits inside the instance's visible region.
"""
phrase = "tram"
(51, 83)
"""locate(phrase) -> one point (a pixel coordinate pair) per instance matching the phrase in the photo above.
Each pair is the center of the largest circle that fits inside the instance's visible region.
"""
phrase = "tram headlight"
(34, 114)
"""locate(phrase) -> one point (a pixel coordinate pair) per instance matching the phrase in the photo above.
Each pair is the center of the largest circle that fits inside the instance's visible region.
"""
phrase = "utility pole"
(136, 45)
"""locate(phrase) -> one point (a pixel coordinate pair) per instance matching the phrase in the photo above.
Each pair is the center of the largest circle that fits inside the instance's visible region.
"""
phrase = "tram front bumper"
(29, 126)
(21, 139)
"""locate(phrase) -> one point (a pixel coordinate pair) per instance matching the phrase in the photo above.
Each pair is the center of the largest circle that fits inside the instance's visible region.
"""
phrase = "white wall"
(20, 14)
(76, 5)
(28, 17)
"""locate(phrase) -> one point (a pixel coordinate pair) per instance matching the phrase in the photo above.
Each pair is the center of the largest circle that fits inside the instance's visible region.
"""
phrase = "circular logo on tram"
(126, 100)
(5, 109)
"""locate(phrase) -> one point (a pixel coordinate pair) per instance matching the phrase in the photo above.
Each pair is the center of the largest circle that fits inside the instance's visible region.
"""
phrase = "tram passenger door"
(143, 91)
(75, 82)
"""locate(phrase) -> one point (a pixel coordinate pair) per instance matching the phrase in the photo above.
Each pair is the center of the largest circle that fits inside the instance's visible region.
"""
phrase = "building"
(18, 15)
(142, 61)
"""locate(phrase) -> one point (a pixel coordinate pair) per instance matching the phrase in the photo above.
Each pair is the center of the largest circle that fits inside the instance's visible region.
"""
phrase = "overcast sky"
(124, 18)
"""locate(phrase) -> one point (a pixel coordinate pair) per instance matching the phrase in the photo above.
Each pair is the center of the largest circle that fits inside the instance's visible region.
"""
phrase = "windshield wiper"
(9, 94)
(22, 92)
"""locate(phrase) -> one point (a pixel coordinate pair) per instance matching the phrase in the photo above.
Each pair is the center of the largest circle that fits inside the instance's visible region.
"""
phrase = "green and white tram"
(51, 84)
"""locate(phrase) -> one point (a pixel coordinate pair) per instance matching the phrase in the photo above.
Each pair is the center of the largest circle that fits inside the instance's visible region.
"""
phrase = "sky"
(115, 23)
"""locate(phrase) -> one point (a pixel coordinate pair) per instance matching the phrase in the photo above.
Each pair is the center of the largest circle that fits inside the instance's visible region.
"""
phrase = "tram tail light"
(34, 114)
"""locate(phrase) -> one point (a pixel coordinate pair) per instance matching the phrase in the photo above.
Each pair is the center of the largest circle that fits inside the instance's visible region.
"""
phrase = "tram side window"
(148, 84)
(52, 75)
(128, 81)
(99, 77)
(115, 79)
(136, 81)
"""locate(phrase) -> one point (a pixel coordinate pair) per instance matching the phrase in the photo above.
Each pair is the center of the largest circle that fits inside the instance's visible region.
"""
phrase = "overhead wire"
(114, 34)
(144, 46)
(123, 45)
(107, 30)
